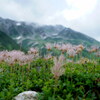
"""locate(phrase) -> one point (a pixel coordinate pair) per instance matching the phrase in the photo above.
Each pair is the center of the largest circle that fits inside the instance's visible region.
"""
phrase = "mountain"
(33, 34)
(7, 43)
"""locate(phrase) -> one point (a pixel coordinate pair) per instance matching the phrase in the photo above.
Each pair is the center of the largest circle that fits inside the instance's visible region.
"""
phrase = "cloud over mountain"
(56, 12)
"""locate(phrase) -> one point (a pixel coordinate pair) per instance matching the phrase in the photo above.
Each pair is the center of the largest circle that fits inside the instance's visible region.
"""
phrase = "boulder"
(27, 95)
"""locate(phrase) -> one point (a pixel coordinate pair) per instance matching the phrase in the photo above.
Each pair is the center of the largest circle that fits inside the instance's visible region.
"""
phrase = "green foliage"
(7, 43)
(80, 81)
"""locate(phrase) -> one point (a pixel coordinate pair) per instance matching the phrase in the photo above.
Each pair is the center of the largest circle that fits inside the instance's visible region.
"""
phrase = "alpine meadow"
(49, 50)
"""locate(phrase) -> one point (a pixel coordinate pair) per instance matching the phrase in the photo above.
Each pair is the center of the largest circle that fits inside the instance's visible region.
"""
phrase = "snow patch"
(18, 24)
(19, 37)
(55, 34)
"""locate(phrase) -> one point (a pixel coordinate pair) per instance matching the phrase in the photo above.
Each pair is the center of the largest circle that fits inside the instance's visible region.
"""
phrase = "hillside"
(33, 34)
(7, 43)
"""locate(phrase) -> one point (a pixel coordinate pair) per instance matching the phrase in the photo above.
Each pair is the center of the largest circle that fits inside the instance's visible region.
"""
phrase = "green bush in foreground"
(79, 82)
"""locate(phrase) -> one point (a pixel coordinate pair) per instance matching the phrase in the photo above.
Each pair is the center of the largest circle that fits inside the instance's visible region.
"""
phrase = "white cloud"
(78, 8)
(81, 15)
(16, 11)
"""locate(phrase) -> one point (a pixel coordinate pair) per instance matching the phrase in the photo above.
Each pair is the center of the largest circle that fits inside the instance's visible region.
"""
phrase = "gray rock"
(27, 95)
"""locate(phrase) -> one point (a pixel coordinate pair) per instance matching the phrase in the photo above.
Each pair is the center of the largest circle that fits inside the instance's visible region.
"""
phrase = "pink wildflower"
(58, 69)
(33, 51)
(71, 53)
(48, 46)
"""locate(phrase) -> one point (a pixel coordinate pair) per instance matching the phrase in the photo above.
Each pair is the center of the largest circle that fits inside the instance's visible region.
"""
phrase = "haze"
(80, 15)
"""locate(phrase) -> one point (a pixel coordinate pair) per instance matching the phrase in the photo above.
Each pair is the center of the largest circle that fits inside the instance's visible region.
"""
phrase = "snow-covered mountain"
(33, 34)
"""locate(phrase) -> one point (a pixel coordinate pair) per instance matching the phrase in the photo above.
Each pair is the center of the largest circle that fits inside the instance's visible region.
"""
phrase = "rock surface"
(33, 34)
(27, 95)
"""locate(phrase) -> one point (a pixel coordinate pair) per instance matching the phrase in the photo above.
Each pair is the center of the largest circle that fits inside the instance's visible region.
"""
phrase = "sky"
(80, 15)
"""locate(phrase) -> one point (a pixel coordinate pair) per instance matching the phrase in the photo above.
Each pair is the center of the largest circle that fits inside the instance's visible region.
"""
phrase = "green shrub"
(80, 81)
